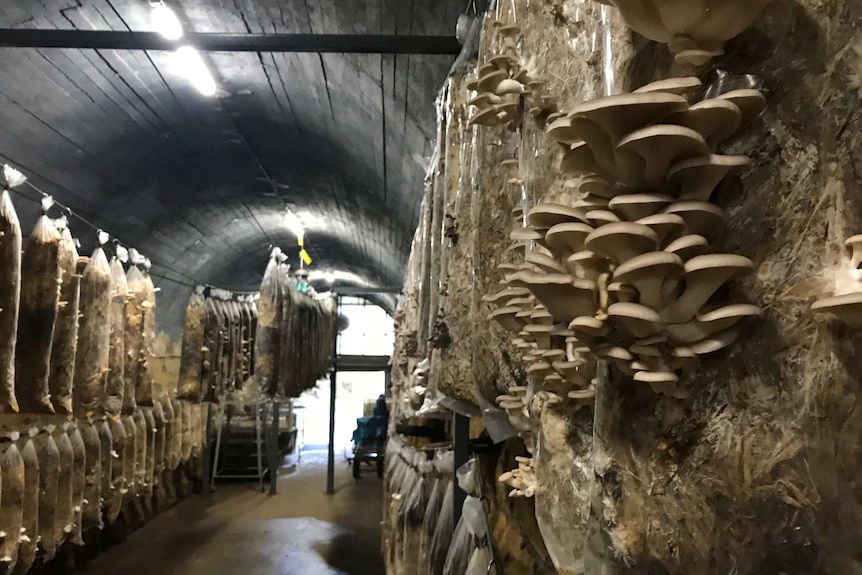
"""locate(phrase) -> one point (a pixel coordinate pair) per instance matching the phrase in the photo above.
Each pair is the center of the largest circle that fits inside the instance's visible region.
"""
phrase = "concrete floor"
(239, 531)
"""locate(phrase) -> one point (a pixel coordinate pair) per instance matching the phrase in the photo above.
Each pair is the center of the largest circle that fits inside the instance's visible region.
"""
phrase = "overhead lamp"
(165, 21)
(195, 69)
(294, 224)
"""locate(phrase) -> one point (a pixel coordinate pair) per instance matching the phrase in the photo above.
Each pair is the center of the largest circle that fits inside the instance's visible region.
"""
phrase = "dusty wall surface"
(756, 473)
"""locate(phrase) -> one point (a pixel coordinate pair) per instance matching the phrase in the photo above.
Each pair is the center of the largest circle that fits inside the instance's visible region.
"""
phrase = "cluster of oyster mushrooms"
(694, 30)
(522, 480)
(846, 305)
(626, 269)
(507, 85)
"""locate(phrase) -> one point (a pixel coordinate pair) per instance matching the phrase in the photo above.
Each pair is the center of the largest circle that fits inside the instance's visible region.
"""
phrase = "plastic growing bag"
(443, 533)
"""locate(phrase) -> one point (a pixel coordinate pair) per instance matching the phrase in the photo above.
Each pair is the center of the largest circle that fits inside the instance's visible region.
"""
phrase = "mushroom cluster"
(694, 30)
(559, 366)
(522, 480)
(847, 306)
(506, 85)
(624, 274)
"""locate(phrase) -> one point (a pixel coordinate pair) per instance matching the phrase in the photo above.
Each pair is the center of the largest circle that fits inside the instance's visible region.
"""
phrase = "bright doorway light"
(165, 21)
(294, 224)
(195, 69)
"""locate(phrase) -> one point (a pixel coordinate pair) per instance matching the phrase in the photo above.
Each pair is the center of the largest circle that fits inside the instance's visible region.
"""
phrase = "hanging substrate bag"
(29, 507)
(92, 513)
(106, 447)
(116, 388)
(144, 386)
(92, 358)
(134, 335)
(191, 357)
(268, 340)
(10, 297)
(49, 475)
(64, 346)
(12, 474)
(65, 516)
(119, 469)
(79, 484)
(40, 276)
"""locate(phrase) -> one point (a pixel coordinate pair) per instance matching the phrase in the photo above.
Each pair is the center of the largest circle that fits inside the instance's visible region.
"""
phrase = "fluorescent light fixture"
(195, 69)
(294, 224)
(165, 21)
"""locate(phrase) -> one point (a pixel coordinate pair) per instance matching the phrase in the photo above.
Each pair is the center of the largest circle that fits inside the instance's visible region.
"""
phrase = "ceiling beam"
(319, 43)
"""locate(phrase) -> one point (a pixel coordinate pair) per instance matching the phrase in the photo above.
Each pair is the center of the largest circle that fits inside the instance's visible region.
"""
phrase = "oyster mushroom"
(688, 247)
(588, 327)
(505, 295)
(620, 292)
(703, 276)
(664, 225)
(620, 115)
(560, 130)
(587, 265)
(541, 334)
(716, 342)
(567, 238)
(660, 381)
(710, 323)
(622, 241)
(599, 186)
(846, 307)
(854, 243)
(564, 296)
(490, 81)
(750, 103)
(618, 354)
(698, 177)
(634, 207)
(579, 159)
(639, 320)
(662, 145)
(591, 202)
(679, 86)
(701, 218)
(546, 216)
(544, 262)
(714, 119)
(653, 275)
(505, 316)
(599, 218)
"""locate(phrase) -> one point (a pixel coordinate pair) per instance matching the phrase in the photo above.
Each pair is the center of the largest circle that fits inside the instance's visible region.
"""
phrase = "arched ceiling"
(201, 184)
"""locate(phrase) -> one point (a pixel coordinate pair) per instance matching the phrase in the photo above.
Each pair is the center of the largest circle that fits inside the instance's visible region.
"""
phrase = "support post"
(333, 381)
(207, 464)
(461, 447)
(272, 446)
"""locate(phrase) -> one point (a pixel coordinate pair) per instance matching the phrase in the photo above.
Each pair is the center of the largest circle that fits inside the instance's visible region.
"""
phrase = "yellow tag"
(300, 240)
(305, 257)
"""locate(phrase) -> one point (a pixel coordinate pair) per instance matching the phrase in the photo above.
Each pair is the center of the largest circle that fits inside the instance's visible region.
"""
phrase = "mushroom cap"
(599, 186)
(679, 86)
(662, 145)
(505, 316)
(714, 119)
(509, 267)
(704, 275)
(567, 238)
(489, 117)
(590, 202)
(656, 377)
(701, 218)
(579, 159)
(545, 216)
(698, 177)
(621, 292)
(544, 262)
(541, 317)
(846, 307)
(622, 114)
(750, 103)
(560, 130)
(645, 350)
(539, 369)
(589, 326)
(664, 225)
(716, 342)
(599, 218)
(854, 243)
(622, 241)
(639, 320)
(553, 355)
(489, 81)
(500, 61)
(582, 394)
(526, 234)
(653, 275)
(586, 264)
(485, 99)
(505, 295)
(634, 207)
(707, 324)
(614, 352)
(509, 86)
(564, 296)
(688, 247)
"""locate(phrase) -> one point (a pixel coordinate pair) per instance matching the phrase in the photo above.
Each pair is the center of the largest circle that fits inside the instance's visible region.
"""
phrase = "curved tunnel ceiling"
(201, 184)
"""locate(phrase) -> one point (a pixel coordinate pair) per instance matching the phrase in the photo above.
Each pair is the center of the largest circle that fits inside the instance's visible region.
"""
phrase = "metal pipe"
(222, 42)
(333, 380)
